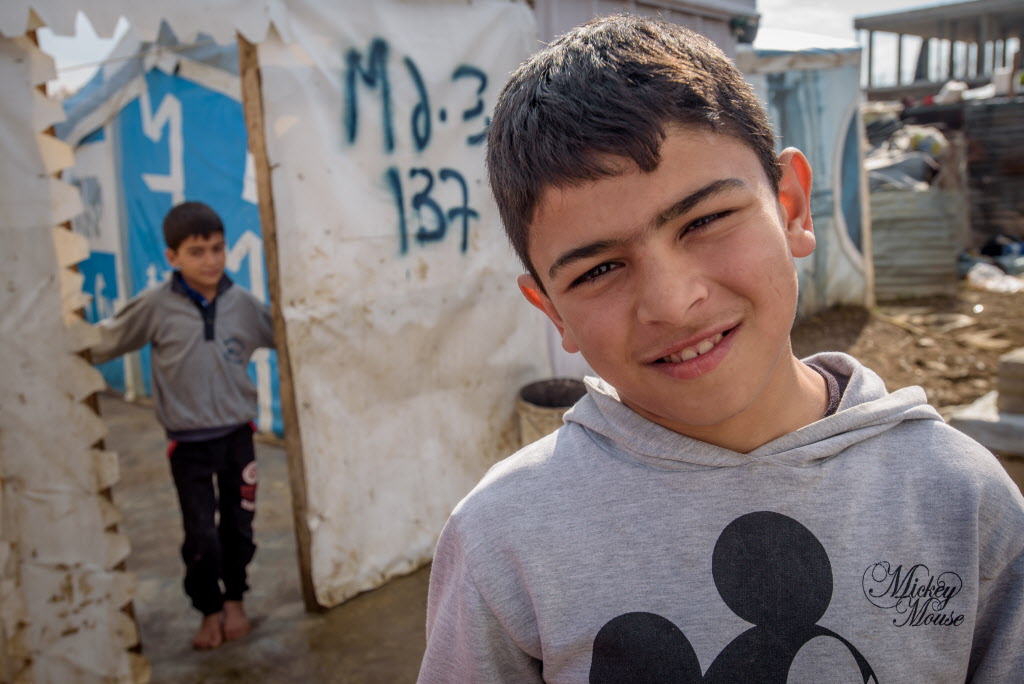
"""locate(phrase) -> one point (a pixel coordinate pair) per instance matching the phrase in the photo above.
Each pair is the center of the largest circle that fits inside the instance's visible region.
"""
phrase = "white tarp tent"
(406, 333)
(62, 589)
(393, 288)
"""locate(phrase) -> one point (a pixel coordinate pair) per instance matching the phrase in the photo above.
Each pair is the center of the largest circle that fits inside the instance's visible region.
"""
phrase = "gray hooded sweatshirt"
(875, 545)
(200, 355)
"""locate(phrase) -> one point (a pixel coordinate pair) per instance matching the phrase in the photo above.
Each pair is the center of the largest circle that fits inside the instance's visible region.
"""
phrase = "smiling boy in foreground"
(714, 509)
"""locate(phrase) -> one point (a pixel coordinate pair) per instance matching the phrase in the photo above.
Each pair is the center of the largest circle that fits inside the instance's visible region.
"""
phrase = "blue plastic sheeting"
(213, 157)
(107, 83)
(212, 162)
(99, 272)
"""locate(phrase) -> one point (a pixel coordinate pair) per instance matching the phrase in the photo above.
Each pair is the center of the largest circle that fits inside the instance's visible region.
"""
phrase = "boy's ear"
(531, 290)
(172, 257)
(795, 200)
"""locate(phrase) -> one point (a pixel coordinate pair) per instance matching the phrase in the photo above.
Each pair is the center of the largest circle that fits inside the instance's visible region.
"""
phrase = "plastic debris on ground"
(990, 278)
(904, 157)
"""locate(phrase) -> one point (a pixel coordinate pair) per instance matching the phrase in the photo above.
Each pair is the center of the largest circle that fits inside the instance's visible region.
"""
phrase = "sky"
(77, 57)
(826, 18)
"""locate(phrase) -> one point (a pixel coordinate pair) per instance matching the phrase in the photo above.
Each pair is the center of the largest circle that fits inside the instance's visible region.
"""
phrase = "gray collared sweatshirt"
(200, 355)
(875, 545)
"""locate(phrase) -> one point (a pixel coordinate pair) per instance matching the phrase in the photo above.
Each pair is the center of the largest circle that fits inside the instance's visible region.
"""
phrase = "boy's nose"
(668, 291)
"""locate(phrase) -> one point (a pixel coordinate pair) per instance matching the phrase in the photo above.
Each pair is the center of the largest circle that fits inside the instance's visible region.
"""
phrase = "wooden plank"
(252, 105)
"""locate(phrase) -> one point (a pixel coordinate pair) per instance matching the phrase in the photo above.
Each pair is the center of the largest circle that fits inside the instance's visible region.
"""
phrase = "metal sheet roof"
(1004, 18)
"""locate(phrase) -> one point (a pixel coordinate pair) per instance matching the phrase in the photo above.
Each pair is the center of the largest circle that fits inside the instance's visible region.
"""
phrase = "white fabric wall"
(61, 599)
(406, 351)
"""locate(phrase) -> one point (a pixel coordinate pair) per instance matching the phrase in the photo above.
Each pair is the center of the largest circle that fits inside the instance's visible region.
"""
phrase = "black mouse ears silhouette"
(771, 571)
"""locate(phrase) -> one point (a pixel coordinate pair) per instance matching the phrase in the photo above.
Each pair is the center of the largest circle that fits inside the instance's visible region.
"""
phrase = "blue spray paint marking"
(375, 76)
(423, 199)
(420, 121)
(464, 212)
(434, 222)
(395, 184)
(432, 214)
(467, 71)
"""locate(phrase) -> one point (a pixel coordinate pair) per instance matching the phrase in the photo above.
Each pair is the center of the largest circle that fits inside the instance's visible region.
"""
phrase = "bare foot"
(236, 624)
(209, 635)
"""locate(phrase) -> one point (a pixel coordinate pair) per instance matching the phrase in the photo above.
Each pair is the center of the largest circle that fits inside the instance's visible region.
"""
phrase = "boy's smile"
(678, 287)
(201, 261)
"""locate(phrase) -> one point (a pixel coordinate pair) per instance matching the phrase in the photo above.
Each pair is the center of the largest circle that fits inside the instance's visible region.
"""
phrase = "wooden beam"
(899, 59)
(951, 32)
(982, 63)
(252, 106)
(871, 59)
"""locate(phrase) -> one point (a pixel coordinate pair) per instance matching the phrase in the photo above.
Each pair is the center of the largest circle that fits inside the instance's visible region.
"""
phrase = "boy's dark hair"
(609, 89)
(188, 219)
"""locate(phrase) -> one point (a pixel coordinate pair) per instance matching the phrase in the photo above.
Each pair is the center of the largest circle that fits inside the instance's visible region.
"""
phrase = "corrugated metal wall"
(995, 167)
(916, 241)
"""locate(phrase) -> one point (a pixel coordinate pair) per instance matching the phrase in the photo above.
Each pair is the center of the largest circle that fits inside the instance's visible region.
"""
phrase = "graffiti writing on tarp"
(432, 199)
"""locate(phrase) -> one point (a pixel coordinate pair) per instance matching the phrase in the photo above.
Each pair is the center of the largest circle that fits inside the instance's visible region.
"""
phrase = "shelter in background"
(161, 123)
(993, 131)
(977, 42)
(810, 86)
(726, 23)
(967, 41)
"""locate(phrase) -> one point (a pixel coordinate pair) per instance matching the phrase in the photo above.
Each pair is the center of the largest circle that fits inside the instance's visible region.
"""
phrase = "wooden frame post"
(871, 60)
(252, 106)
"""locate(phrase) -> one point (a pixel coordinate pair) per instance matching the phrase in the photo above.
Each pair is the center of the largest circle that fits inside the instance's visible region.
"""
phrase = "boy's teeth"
(693, 352)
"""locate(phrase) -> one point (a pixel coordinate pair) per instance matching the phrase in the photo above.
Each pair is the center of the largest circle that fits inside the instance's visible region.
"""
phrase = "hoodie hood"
(865, 410)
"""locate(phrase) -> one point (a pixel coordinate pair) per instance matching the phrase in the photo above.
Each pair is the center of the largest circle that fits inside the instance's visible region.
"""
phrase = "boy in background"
(203, 330)
(715, 509)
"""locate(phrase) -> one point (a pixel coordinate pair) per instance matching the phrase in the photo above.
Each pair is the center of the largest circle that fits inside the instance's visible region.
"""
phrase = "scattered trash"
(905, 156)
(945, 322)
(940, 322)
(951, 92)
(1001, 245)
(990, 278)
(981, 93)
(1013, 265)
(985, 340)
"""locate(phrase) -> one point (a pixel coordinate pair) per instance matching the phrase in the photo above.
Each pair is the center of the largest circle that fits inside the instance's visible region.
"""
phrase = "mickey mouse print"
(769, 570)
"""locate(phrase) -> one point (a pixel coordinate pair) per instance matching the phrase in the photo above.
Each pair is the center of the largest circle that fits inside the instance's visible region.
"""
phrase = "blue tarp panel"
(214, 157)
(212, 161)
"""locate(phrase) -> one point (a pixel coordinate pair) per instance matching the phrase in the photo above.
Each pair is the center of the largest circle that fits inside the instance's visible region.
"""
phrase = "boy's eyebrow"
(585, 252)
(676, 210)
(694, 198)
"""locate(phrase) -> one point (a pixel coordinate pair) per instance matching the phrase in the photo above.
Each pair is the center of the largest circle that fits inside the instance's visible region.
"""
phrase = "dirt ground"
(375, 638)
(948, 345)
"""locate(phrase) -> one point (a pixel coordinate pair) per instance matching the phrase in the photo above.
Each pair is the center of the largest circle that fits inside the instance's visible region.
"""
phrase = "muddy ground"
(948, 345)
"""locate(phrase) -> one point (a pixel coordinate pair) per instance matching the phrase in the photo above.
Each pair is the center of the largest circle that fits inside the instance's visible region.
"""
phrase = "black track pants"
(216, 476)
